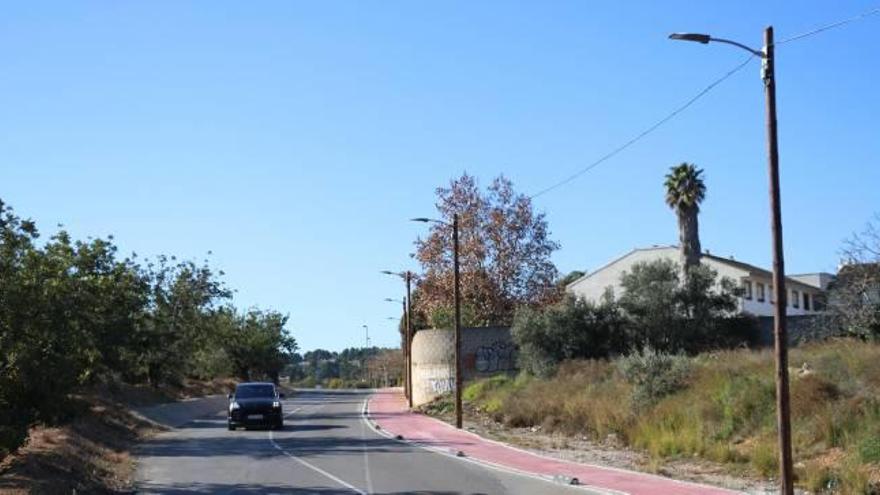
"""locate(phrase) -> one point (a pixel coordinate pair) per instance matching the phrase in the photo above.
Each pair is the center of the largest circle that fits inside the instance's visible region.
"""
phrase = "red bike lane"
(387, 408)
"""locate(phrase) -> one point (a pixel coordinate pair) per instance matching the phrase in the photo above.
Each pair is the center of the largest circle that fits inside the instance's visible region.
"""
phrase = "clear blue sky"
(294, 139)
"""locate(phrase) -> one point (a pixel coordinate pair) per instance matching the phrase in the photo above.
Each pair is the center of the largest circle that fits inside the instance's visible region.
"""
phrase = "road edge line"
(366, 418)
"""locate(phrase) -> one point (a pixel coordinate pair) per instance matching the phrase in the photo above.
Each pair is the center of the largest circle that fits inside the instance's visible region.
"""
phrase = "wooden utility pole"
(780, 334)
(783, 409)
(457, 323)
(408, 340)
(405, 349)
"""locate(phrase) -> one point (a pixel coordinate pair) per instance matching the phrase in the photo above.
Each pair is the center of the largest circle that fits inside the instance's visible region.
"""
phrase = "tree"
(669, 315)
(184, 299)
(72, 314)
(685, 190)
(505, 250)
(386, 367)
(854, 295)
(257, 344)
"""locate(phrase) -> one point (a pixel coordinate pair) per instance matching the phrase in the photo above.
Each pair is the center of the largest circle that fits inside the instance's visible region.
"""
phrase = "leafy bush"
(572, 329)
(653, 375)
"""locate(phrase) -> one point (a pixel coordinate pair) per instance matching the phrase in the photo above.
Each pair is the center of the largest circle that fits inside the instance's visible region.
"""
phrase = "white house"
(806, 292)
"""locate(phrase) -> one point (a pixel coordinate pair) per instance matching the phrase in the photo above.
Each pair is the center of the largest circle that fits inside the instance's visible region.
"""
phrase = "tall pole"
(409, 336)
(783, 410)
(405, 352)
(457, 323)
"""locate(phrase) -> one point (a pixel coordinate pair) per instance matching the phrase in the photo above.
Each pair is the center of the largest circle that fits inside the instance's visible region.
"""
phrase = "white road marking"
(312, 466)
(478, 462)
(366, 458)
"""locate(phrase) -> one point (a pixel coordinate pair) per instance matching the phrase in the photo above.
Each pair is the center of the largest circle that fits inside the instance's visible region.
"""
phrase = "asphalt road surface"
(326, 447)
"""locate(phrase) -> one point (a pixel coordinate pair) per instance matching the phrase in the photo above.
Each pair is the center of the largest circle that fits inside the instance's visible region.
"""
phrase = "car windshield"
(254, 391)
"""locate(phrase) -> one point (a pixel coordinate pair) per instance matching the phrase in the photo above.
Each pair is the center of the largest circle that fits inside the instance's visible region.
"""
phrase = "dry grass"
(90, 454)
(725, 413)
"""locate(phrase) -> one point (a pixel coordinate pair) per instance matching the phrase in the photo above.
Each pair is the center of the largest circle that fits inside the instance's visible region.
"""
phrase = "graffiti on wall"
(498, 356)
(441, 385)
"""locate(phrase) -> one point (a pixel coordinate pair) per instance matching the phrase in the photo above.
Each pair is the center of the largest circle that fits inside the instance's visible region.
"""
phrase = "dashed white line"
(366, 458)
(316, 468)
(312, 466)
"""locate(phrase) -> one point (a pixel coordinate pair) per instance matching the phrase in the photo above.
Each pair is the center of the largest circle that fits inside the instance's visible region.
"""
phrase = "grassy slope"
(725, 413)
(90, 453)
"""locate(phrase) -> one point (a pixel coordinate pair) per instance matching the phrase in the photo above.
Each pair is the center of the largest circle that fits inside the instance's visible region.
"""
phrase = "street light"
(457, 299)
(407, 312)
(705, 39)
(783, 411)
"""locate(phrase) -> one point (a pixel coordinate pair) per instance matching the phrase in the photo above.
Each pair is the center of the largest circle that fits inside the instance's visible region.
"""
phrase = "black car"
(255, 404)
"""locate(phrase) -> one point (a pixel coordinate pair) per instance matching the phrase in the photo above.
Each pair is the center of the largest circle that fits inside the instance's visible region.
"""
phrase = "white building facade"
(806, 292)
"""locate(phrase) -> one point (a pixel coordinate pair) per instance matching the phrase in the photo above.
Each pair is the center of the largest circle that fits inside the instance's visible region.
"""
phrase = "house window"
(747, 289)
(795, 299)
(806, 301)
(760, 288)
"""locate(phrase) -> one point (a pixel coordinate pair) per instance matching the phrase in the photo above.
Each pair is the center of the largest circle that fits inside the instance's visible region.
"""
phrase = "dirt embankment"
(91, 452)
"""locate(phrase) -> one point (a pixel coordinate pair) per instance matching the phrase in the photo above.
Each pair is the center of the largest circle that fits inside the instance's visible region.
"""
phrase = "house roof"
(747, 267)
(752, 269)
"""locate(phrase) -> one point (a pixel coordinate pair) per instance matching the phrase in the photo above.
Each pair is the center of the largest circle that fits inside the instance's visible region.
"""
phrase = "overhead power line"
(647, 131)
(833, 25)
(638, 137)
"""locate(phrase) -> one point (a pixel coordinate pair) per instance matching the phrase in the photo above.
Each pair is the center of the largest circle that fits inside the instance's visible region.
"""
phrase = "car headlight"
(276, 404)
(234, 406)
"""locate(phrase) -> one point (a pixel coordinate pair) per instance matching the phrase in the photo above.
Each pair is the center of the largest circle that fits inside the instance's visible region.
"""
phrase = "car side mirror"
(281, 395)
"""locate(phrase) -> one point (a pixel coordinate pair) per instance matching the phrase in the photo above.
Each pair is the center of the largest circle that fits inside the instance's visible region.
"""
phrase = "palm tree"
(685, 190)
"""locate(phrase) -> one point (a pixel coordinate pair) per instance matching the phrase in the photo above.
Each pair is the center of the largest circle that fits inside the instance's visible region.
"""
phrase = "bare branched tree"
(854, 298)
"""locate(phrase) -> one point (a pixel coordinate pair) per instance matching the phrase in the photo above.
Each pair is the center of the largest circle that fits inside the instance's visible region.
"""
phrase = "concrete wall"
(485, 351)
(801, 329)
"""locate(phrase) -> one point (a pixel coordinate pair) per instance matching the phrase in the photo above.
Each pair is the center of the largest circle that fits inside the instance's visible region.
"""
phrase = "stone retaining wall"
(485, 351)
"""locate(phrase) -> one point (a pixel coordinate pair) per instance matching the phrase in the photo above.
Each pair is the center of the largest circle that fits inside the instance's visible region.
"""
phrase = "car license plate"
(254, 416)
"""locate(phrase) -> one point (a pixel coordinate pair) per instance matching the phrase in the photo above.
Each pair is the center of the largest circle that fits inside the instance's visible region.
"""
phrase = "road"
(326, 447)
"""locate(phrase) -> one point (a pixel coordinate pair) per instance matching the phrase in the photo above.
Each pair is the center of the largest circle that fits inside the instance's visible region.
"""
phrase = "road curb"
(559, 479)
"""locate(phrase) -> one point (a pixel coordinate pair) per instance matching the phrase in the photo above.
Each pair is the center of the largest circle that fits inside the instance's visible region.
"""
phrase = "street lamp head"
(395, 274)
(420, 219)
(699, 38)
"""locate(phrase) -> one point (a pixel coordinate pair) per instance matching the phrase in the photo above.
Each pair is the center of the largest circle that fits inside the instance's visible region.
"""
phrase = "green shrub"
(653, 375)
(746, 403)
(869, 448)
(571, 329)
(480, 388)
